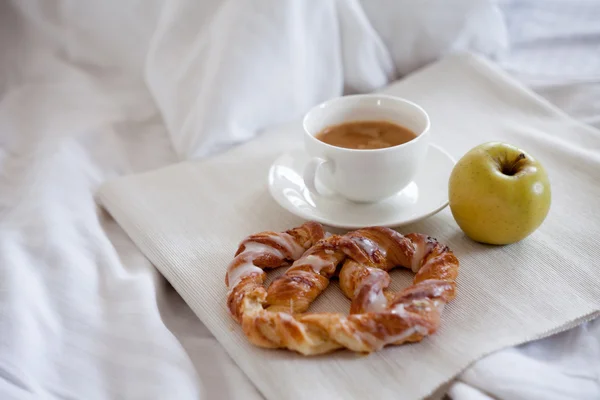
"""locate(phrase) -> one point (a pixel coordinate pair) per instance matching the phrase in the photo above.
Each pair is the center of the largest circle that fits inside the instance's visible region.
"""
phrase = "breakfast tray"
(189, 218)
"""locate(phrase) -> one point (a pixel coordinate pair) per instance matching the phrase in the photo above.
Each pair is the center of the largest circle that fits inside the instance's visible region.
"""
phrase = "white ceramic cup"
(365, 175)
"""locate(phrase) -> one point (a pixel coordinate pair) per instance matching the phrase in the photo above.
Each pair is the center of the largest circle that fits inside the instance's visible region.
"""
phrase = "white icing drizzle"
(241, 271)
(399, 309)
(377, 302)
(438, 290)
(258, 249)
(367, 245)
(288, 242)
(406, 334)
(438, 285)
(252, 250)
(370, 279)
(379, 343)
(368, 338)
(329, 251)
(315, 262)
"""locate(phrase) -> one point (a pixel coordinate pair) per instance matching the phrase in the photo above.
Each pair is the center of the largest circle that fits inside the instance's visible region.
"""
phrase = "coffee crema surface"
(366, 135)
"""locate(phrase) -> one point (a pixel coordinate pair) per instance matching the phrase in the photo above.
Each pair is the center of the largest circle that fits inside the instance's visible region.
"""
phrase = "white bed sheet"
(84, 315)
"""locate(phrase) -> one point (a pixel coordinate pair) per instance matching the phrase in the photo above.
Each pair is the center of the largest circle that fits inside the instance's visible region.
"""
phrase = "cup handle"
(310, 174)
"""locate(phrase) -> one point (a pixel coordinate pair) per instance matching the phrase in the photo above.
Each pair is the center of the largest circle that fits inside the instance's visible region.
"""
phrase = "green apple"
(499, 194)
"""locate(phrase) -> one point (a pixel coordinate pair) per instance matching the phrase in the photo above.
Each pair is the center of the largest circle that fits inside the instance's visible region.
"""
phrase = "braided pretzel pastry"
(276, 318)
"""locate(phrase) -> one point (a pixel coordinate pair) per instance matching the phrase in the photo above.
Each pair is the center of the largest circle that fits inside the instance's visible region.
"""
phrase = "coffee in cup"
(365, 148)
(366, 135)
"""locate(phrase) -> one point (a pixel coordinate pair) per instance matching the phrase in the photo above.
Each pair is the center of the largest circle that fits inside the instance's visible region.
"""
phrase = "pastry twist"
(276, 318)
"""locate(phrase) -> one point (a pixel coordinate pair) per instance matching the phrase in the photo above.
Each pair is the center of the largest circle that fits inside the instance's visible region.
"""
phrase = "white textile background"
(93, 90)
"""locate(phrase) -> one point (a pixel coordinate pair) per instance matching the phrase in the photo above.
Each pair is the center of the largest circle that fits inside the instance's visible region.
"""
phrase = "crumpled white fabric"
(83, 315)
(250, 65)
(93, 90)
(563, 366)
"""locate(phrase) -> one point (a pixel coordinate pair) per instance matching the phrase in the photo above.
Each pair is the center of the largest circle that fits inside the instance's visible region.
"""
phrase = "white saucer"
(425, 196)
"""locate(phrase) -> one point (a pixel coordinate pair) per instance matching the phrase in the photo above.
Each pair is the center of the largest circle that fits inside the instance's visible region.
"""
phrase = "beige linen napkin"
(189, 218)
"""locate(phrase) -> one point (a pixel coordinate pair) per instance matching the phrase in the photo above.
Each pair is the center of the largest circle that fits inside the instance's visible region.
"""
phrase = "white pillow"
(221, 77)
(417, 32)
(221, 73)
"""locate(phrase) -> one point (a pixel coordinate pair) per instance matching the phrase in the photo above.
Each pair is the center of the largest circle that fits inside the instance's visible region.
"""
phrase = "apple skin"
(498, 193)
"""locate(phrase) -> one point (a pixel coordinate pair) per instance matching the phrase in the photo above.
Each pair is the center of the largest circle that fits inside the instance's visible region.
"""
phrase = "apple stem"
(512, 168)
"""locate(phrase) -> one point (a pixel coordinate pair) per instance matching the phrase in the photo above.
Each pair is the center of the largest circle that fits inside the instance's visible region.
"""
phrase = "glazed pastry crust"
(276, 317)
